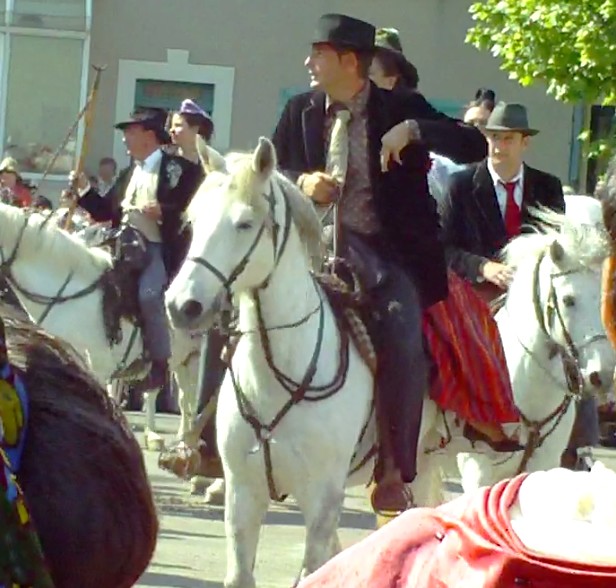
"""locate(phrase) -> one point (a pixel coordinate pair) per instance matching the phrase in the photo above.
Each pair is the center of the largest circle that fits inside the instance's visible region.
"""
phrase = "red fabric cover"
(467, 543)
(471, 378)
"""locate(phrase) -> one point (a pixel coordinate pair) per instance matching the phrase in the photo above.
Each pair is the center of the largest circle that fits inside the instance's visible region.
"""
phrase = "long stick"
(86, 112)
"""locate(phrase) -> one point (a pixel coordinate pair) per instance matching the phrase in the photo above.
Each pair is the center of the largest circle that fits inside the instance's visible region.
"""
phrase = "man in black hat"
(351, 142)
(487, 203)
(150, 196)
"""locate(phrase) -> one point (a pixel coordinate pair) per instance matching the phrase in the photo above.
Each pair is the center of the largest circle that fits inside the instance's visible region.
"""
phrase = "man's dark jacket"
(403, 203)
(473, 225)
(172, 200)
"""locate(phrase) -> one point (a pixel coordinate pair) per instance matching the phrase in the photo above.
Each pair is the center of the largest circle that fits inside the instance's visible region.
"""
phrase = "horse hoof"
(215, 494)
(198, 485)
(154, 442)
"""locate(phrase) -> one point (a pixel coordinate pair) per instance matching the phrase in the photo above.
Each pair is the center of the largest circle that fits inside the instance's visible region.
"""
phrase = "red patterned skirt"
(471, 377)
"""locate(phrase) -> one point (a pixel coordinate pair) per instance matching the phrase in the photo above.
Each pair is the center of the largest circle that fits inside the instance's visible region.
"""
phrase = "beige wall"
(267, 41)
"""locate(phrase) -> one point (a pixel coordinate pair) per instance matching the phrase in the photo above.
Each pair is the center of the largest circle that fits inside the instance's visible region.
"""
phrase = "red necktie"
(513, 213)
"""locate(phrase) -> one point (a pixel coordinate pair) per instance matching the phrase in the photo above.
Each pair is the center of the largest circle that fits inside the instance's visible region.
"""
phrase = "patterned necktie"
(513, 213)
(338, 152)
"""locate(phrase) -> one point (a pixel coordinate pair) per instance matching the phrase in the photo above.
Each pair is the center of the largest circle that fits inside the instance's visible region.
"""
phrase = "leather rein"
(299, 391)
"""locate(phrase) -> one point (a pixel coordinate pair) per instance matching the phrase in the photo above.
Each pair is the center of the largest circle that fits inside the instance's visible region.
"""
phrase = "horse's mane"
(244, 181)
(43, 237)
(584, 245)
(82, 470)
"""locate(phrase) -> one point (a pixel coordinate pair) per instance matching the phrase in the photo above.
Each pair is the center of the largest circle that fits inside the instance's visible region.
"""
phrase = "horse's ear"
(557, 252)
(264, 158)
(204, 154)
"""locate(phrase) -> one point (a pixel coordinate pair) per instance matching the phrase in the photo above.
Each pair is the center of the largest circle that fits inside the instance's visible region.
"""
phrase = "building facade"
(239, 59)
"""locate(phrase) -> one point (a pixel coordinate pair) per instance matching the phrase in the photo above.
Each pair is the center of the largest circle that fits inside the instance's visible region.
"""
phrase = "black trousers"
(403, 364)
(211, 374)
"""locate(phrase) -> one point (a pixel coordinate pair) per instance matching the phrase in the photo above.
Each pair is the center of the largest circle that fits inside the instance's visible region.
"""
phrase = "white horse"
(254, 235)
(551, 319)
(57, 280)
(253, 241)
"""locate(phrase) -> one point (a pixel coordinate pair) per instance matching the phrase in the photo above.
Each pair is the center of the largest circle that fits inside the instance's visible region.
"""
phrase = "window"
(169, 94)
(43, 95)
(67, 15)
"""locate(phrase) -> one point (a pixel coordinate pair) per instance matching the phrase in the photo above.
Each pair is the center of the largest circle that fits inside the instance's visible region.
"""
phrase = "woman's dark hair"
(43, 202)
(205, 126)
(484, 97)
(395, 64)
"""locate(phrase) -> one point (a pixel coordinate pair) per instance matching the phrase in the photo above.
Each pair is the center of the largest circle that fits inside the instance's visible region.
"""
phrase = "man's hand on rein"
(319, 186)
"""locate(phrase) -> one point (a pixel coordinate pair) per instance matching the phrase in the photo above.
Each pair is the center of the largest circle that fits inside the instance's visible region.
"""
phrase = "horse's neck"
(289, 297)
(530, 359)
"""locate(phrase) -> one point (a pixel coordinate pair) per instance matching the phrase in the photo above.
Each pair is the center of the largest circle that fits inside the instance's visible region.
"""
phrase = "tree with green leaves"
(570, 45)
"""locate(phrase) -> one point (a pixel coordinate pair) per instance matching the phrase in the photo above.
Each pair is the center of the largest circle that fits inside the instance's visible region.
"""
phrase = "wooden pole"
(87, 113)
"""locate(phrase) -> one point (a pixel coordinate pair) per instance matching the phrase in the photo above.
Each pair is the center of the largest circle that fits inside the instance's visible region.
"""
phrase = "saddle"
(120, 284)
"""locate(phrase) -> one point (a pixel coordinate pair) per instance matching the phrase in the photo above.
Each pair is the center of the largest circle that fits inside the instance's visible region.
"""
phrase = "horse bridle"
(48, 302)
(298, 391)
(546, 317)
(569, 354)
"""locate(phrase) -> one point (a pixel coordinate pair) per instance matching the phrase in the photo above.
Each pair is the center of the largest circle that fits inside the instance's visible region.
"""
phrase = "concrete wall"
(267, 42)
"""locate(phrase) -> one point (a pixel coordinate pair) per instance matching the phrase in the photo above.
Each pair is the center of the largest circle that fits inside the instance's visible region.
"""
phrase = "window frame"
(6, 32)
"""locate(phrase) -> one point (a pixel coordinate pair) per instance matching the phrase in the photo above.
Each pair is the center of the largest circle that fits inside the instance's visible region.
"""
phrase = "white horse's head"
(555, 296)
(243, 221)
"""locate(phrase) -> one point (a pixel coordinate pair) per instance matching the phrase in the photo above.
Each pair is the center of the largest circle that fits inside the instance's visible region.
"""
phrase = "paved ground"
(191, 546)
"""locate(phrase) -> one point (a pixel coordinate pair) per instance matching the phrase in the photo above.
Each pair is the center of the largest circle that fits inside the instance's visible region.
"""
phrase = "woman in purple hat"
(188, 123)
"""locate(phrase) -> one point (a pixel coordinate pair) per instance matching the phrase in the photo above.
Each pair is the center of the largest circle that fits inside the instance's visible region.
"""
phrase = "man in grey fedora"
(487, 203)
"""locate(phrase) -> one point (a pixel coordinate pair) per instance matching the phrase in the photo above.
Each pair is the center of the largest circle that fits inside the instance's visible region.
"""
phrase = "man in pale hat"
(351, 142)
(487, 204)
(11, 181)
(150, 196)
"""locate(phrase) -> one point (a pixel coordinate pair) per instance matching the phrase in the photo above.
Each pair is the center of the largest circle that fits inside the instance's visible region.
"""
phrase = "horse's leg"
(215, 493)
(153, 441)
(186, 396)
(321, 503)
(246, 503)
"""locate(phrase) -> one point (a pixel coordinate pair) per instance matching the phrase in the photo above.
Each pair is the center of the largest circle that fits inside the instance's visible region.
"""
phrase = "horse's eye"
(243, 226)
(569, 300)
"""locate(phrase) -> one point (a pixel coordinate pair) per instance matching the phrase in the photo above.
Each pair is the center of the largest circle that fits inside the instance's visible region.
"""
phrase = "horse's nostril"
(595, 380)
(191, 309)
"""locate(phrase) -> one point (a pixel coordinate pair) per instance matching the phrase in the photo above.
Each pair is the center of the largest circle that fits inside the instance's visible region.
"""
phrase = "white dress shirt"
(501, 191)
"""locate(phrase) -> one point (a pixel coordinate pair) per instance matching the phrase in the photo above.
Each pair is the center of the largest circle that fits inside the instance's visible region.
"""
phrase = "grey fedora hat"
(509, 117)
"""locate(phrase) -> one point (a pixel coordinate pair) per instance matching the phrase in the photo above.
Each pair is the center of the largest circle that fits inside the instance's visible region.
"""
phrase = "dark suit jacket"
(173, 203)
(403, 203)
(442, 134)
(473, 225)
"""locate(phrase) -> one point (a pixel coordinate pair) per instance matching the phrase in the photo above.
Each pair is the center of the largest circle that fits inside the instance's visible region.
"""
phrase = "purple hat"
(190, 107)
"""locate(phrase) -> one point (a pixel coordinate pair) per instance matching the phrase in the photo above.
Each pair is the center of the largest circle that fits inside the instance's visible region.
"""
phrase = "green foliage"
(568, 44)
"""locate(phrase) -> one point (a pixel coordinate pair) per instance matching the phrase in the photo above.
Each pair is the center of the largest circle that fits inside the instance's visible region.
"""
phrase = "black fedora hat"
(509, 117)
(151, 119)
(345, 32)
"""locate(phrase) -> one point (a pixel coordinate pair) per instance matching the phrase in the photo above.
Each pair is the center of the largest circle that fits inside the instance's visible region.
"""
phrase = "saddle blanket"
(471, 376)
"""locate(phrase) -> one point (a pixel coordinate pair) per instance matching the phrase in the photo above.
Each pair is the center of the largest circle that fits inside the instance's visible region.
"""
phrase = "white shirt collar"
(150, 163)
(497, 180)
